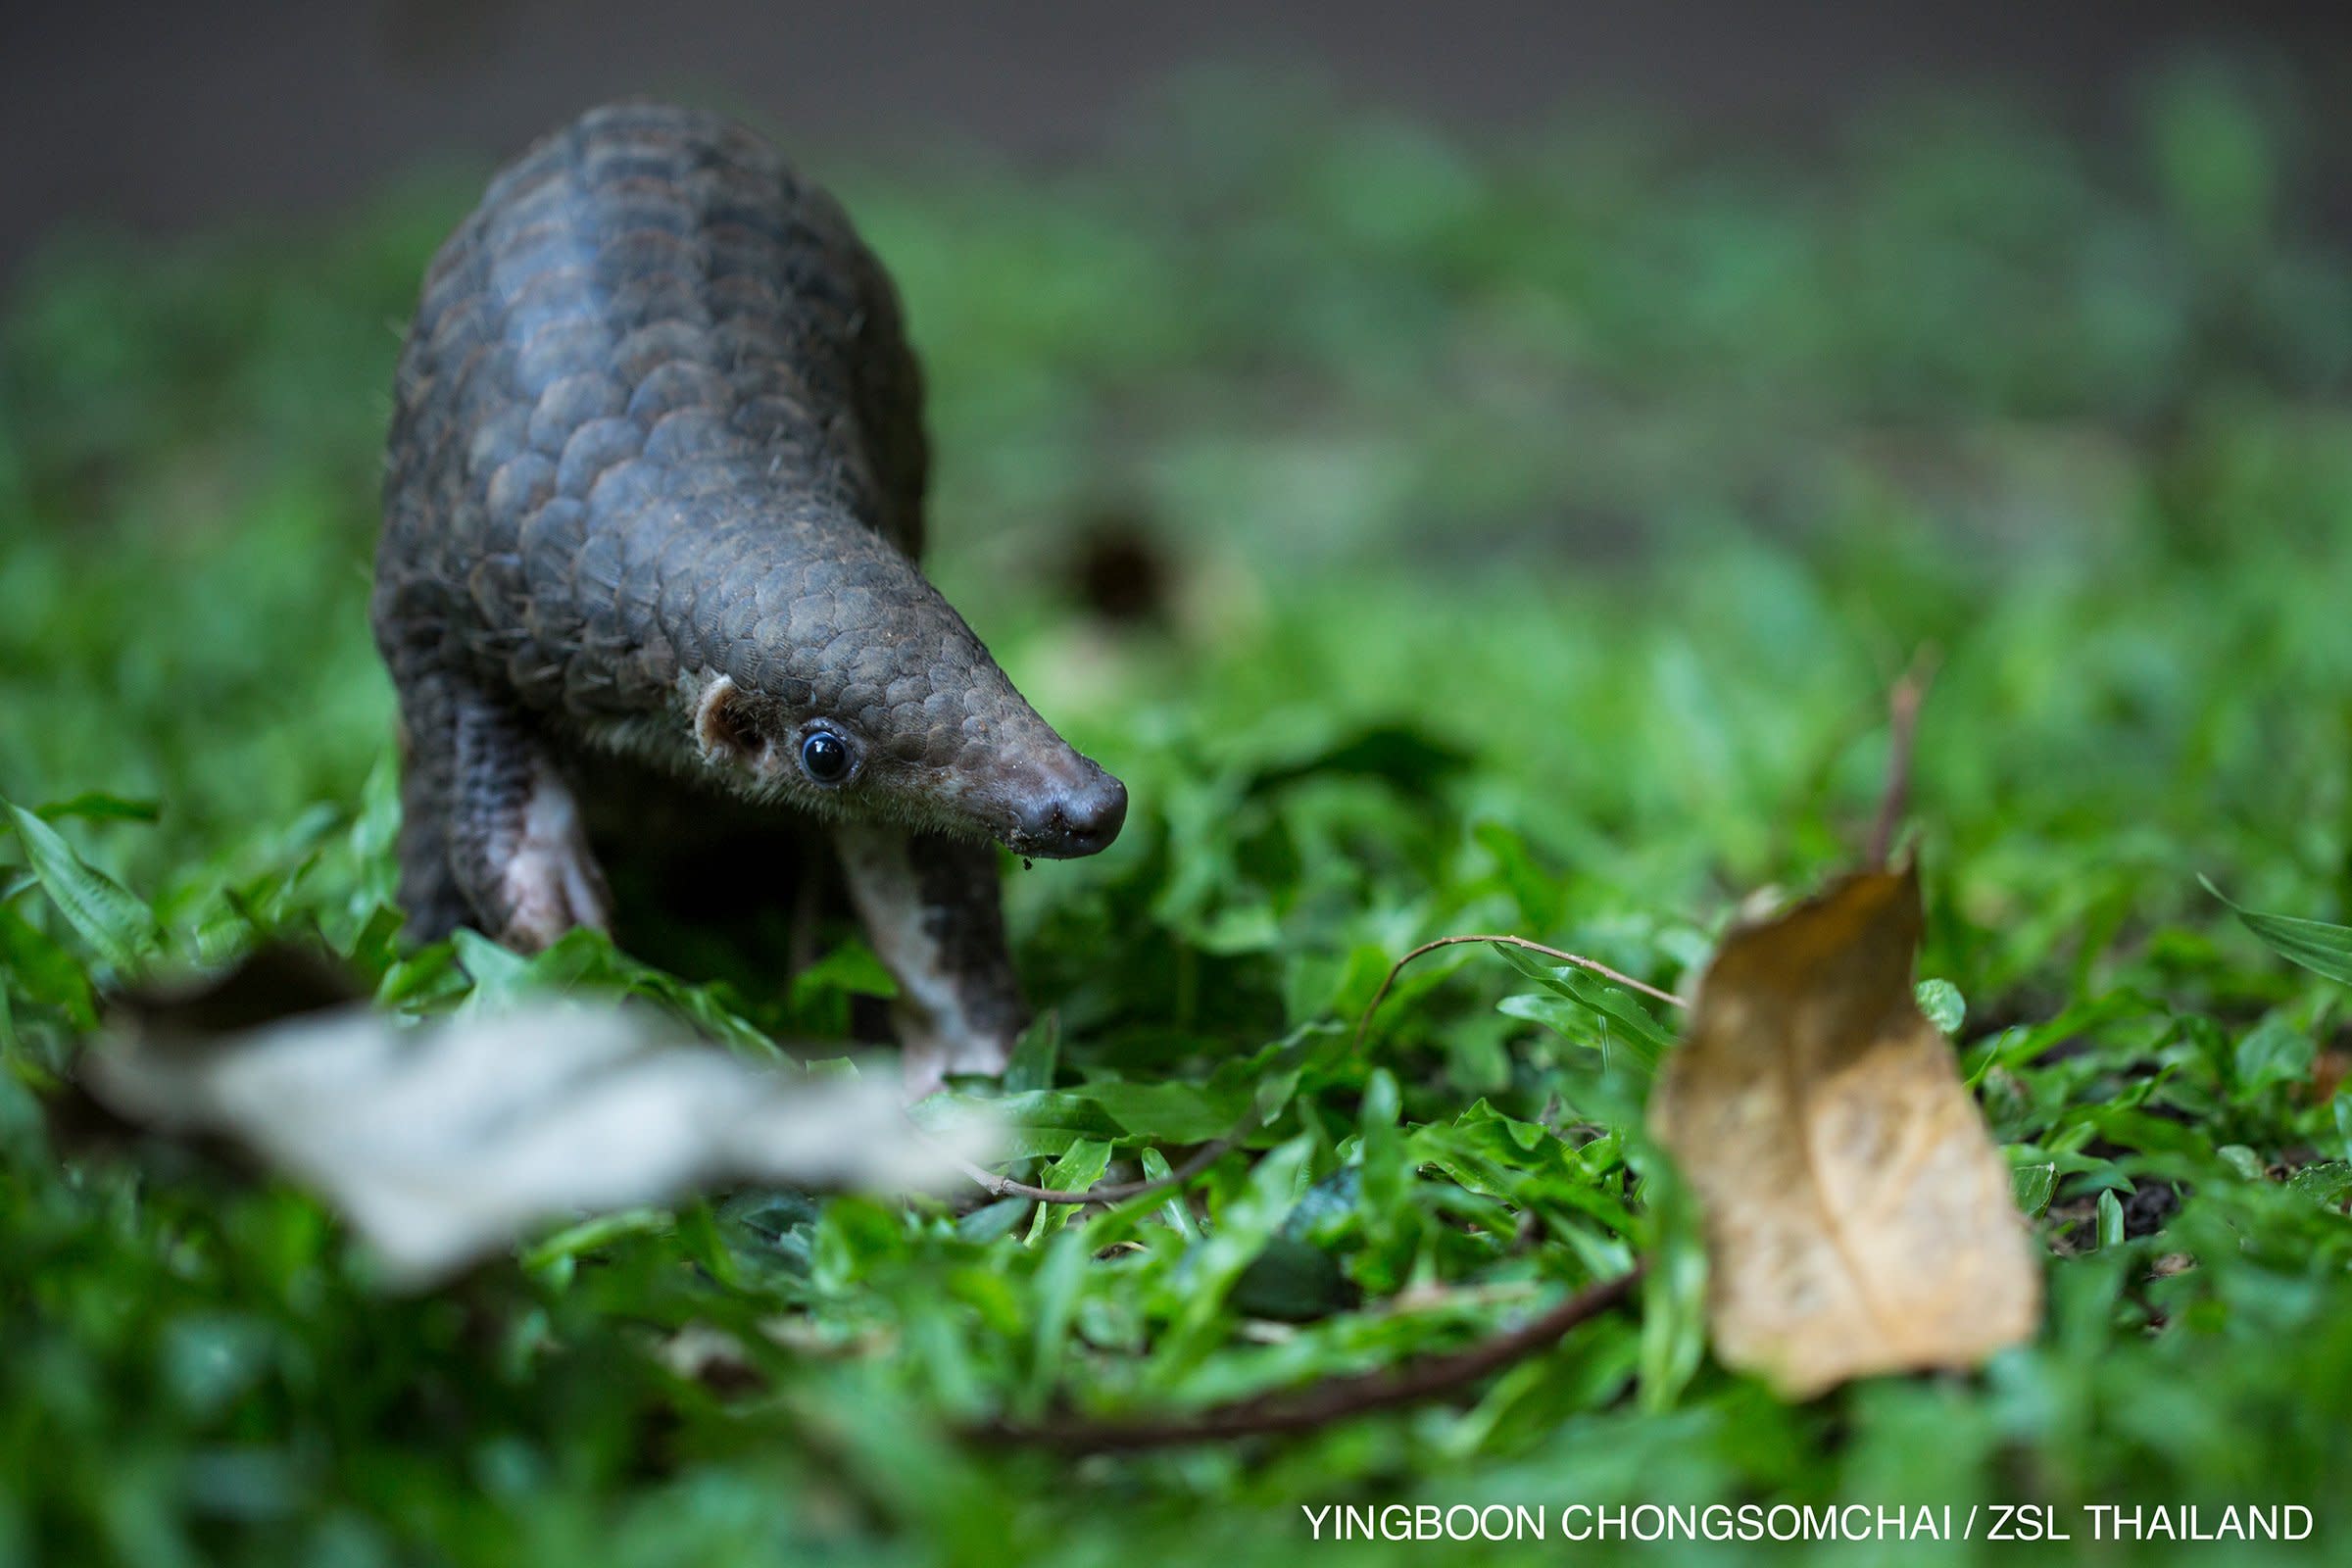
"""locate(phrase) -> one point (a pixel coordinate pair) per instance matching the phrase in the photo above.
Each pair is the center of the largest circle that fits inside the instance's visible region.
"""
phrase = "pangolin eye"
(825, 756)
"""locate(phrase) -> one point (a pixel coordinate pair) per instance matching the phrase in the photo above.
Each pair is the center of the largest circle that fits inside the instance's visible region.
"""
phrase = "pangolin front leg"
(930, 906)
(494, 836)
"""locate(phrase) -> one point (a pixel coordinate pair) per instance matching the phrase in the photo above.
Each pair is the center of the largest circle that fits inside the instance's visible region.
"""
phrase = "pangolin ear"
(723, 727)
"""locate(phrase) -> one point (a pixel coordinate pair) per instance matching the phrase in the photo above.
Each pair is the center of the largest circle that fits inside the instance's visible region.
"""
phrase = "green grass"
(1548, 521)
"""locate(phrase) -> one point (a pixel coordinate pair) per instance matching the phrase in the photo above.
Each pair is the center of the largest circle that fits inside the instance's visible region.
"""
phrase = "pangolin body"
(656, 488)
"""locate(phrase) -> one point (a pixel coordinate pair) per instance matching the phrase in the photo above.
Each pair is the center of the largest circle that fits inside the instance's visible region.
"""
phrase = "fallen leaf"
(449, 1141)
(1858, 1217)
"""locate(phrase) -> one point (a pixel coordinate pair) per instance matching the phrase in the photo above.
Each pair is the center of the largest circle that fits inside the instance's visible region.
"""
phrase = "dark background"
(163, 116)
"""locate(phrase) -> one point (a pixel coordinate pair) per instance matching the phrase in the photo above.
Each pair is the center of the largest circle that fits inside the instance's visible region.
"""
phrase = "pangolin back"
(651, 352)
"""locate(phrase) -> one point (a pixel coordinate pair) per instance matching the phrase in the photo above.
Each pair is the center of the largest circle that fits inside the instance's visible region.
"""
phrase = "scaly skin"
(656, 486)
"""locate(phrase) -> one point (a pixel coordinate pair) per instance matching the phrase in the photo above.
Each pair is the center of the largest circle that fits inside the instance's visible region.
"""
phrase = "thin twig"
(1580, 960)
(1333, 1400)
(1903, 725)
(1101, 1192)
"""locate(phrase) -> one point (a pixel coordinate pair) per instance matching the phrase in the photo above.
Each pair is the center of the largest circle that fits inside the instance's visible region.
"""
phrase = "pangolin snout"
(1072, 812)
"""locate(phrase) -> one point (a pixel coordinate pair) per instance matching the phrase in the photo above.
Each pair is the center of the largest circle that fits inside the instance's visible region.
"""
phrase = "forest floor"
(1437, 537)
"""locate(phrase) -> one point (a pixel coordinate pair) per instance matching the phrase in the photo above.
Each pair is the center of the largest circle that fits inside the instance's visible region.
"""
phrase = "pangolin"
(654, 504)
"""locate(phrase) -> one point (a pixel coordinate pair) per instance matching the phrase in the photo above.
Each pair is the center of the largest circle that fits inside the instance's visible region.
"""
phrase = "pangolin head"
(845, 684)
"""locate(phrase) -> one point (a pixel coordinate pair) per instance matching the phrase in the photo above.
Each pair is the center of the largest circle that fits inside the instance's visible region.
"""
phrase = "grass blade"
(118, 927)
(2317, 945)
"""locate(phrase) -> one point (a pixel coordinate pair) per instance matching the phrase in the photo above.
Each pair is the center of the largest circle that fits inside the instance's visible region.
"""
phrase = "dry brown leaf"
(1858, 1217)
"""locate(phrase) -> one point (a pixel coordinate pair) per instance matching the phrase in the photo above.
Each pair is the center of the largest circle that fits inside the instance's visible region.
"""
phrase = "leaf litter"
(1858, 1217)
(449, 1141)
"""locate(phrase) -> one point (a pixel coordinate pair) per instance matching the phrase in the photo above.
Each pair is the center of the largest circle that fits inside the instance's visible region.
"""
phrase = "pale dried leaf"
(446, 1142)
(1858, 1217)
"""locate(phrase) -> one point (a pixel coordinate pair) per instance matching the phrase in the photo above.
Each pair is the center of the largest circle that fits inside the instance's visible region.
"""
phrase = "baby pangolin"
(654, 498)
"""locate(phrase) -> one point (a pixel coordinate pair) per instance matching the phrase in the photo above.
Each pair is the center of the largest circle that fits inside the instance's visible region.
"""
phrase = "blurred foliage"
(1512, 537)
